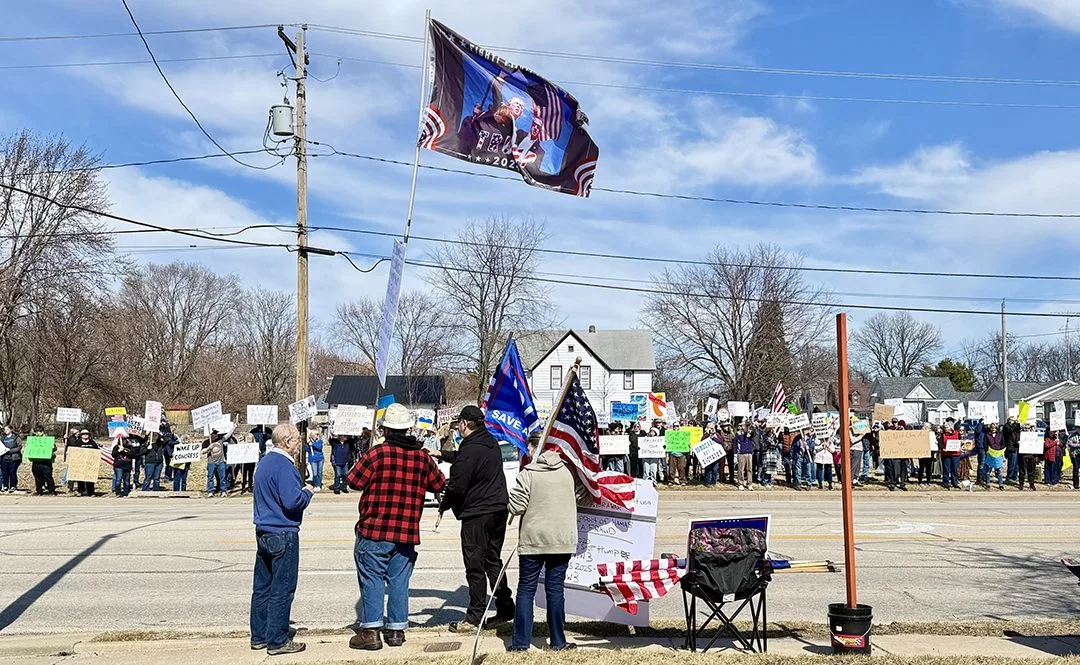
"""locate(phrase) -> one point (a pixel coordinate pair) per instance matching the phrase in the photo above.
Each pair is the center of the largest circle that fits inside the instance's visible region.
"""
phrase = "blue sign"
(624, 411)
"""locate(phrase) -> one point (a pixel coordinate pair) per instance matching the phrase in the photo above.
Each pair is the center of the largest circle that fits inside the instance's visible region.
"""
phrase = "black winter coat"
(477, 485)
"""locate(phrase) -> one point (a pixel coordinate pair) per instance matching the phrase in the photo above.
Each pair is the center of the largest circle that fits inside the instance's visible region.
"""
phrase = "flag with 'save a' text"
(509, 412)
(488, 111)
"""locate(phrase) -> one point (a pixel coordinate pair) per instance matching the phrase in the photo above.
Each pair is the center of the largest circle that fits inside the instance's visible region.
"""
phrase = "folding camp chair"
(727, 572)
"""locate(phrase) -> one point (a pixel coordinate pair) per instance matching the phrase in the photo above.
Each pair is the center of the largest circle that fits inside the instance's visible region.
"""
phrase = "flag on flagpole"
(778, 397)
(509, 412)
(627, 582)
(573, 435)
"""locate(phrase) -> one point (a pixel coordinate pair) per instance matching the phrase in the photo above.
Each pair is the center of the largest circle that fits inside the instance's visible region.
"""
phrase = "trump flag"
(486, 110)
(510, 414)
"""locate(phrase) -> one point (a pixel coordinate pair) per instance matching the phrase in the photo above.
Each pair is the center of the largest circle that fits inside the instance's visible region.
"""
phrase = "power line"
(150, 52)
(37, 38)
(109, 63)
(787, 71)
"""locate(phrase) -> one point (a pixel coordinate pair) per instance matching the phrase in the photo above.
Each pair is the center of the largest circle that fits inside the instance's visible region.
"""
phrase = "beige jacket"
(546, 495)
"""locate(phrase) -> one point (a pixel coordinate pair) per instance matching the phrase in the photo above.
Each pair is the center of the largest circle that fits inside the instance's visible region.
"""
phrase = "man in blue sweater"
(280, 500)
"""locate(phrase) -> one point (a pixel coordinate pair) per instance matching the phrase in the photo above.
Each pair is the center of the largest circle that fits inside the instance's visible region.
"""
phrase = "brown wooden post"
(845, 448)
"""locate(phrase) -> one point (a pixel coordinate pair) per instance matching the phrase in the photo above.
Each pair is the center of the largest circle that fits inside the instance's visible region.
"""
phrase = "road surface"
(78, 565)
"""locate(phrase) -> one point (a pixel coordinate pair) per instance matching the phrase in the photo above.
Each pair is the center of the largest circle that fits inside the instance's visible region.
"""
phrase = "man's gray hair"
(283, 433)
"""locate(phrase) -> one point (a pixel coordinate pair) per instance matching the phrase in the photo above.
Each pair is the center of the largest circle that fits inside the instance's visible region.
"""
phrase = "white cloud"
(1063, 13)
(928, 174)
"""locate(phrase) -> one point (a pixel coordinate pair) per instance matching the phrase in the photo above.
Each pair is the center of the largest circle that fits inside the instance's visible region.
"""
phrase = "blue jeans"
(1012, 458)
(867, 463)
(340, 474)
(984, 471)
(215, 471)
(277, 564)
(712, 473)
(152, 474)
(824, 473)
(121, 481)
(381, 564)
(650, 469)
(136, 466)
(316, 469)
(950, 471)
(554, 566)
(179, 479)
(1051, 472)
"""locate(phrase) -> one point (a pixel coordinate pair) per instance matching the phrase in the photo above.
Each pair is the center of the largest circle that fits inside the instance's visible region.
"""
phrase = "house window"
(556, 377)
(585, 374)
(569, 348)
(628, 380)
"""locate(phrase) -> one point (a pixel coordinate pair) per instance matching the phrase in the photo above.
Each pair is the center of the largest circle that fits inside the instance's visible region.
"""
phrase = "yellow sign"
(116, 411)
(1023, 410)
(696, 434)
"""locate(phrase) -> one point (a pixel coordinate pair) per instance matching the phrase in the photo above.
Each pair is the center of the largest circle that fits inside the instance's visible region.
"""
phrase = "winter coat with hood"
(477, 485)
(546, 496)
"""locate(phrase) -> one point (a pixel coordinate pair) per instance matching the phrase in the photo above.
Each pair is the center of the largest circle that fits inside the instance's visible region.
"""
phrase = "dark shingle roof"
(616, 349)
(1020, 389)
(899, 386)
(362, 390)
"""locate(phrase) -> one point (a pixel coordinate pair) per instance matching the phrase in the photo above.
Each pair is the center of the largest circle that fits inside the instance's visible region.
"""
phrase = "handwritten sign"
(626, 411)
(303, 410)
(445, 416)
(820, 423)
(1031, 443)
(696, 434)
(615, 444)
(952, 445)
(712, 403)
(136, 425)
(650, 447)
(905, 444)
(206, 415)
(83, 464)
(708, 451)
(186, 453)
(351, 419)
(984, 411)
(860, 427)
(242, 453)
(798, 422)
(677, 441)
(69, 415)
(115, 411)
(262, 414)
(739, 409)
(425, 418)
(1057, 420)
(884, 412)
(152, 413)
(39, 447)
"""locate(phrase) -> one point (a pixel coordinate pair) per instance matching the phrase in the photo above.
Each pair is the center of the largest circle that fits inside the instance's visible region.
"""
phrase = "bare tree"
(895, 344)
(729, 325)
(267, 342)
(488, 281)
(358, 328)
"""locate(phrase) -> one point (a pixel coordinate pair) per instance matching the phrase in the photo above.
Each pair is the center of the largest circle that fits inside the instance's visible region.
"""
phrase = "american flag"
(778, 397)
(549, 114)
(573, 436)
(106, 454)
(627, 582)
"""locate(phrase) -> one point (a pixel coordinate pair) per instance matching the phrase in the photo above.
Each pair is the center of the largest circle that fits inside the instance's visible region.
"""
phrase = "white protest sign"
(603, 419)
(225, 427)
(609, 534)
(351, 419)
(985, 411)
(204, 415)
(739, 409)
(820, 423)
(1059, 405)
(445, 416)
(1031, 443)
(68, 415)
(708, 451)
(723, 415)
(152, 415)
(798, 421)
(953, 445)
(616, 444)
(262, 414)
(303, 410)
(425, 418)
(776, 420)
(186, 453)
(711, 405)
(242, 453)
(651, 447)
(1057, 420)
(136, 425)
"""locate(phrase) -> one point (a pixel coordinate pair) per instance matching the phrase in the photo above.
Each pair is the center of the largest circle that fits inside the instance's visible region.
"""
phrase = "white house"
(614, 363)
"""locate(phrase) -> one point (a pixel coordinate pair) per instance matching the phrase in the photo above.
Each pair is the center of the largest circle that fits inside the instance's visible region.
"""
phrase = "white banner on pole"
(205, 415)
(152, 416)
(69, 415)
(389, 313)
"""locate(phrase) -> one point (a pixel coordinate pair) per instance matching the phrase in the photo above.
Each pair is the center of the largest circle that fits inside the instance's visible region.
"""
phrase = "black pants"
(83, 488)
(481, 548)
(43, 476)
(247, 474)
(1027, 468)
(896, 472)
(926, 469)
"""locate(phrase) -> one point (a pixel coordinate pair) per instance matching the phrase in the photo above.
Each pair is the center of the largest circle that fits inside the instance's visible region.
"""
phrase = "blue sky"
(794, 149)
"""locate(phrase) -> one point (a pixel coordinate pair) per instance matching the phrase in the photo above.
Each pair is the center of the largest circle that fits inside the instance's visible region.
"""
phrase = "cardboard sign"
(905, 444)
(1057, 420)
(860, 427)
(798, 422)
(1031, 443)
(739, 409)
(242, 453)
(446, 416)
(708, 451)
(69, 415)
(83, 464)
(205, 415)
(262, 414)
(152, 414)
(615, 444)
(626, 411)
(303, 410)
(677, 441)
(425, 418)
(984, 411)
(351, 419)
(186, 453)
(883, 413)
(115, 411)
(651, 447)
(696, 434)
(39, 447)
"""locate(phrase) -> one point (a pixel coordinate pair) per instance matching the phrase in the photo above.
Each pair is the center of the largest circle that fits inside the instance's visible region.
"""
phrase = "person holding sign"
(949, 445)
(83, 488)
(1027, 466)
(10, 459)
(1051, 459)
(744, 448)
(995, 456)
(41, 451)
(1073, 451)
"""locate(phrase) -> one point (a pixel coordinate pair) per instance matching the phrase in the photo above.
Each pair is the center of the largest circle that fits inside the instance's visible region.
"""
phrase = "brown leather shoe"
(366, 640)
(394, 638)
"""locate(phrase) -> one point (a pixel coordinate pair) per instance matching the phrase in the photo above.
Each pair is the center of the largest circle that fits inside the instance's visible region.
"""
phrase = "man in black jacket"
(1010, 434)
(477, 495)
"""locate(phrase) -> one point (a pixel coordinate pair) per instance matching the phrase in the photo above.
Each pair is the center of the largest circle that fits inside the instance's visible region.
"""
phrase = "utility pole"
(301, 220)
(1068, 348)
(1004, 365)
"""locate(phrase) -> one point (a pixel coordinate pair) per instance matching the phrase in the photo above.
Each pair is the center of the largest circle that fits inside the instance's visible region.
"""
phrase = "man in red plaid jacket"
(393, 478)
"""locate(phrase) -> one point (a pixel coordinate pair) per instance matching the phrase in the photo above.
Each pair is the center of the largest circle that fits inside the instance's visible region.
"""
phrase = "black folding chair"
(727, 573)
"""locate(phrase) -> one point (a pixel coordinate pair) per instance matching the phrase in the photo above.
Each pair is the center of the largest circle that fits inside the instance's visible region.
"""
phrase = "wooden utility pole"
(1004, 368)
(845, 457)
(301, 220)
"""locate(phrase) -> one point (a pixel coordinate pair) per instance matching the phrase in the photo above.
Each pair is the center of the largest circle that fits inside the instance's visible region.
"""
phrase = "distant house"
(1043, 395)
(416, 392)
(925, 398)
(614, 363)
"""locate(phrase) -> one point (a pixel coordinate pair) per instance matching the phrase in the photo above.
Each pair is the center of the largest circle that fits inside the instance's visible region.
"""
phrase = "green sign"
(677, 441)
(39, 447)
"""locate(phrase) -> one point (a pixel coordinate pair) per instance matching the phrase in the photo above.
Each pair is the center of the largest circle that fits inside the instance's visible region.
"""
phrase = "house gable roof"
(1017, 389)
(894, 387)
(617, 350)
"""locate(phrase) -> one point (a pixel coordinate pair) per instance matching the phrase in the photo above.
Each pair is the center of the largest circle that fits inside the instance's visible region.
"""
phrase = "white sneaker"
(741, 488)
(750, 487)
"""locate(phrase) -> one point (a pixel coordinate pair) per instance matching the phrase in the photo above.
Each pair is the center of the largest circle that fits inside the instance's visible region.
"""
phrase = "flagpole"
(420, 121)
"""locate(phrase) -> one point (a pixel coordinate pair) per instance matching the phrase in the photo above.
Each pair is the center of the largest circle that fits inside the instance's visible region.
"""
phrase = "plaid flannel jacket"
(393, 481)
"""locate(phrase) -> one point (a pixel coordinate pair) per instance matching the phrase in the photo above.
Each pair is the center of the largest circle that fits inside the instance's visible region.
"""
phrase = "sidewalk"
(432, 645)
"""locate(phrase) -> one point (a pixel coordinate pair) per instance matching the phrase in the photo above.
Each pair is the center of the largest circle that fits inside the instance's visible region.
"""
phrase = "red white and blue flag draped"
(573, 435)
(509, 412)
(627, 582)
(778, 397)
(486, 110)
(106, 454)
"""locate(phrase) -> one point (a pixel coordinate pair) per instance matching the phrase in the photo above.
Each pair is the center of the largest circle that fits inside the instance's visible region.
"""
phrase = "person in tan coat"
(546, 496)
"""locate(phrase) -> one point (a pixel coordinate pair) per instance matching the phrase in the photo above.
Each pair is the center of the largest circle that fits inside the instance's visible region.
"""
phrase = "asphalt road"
(77, 565)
